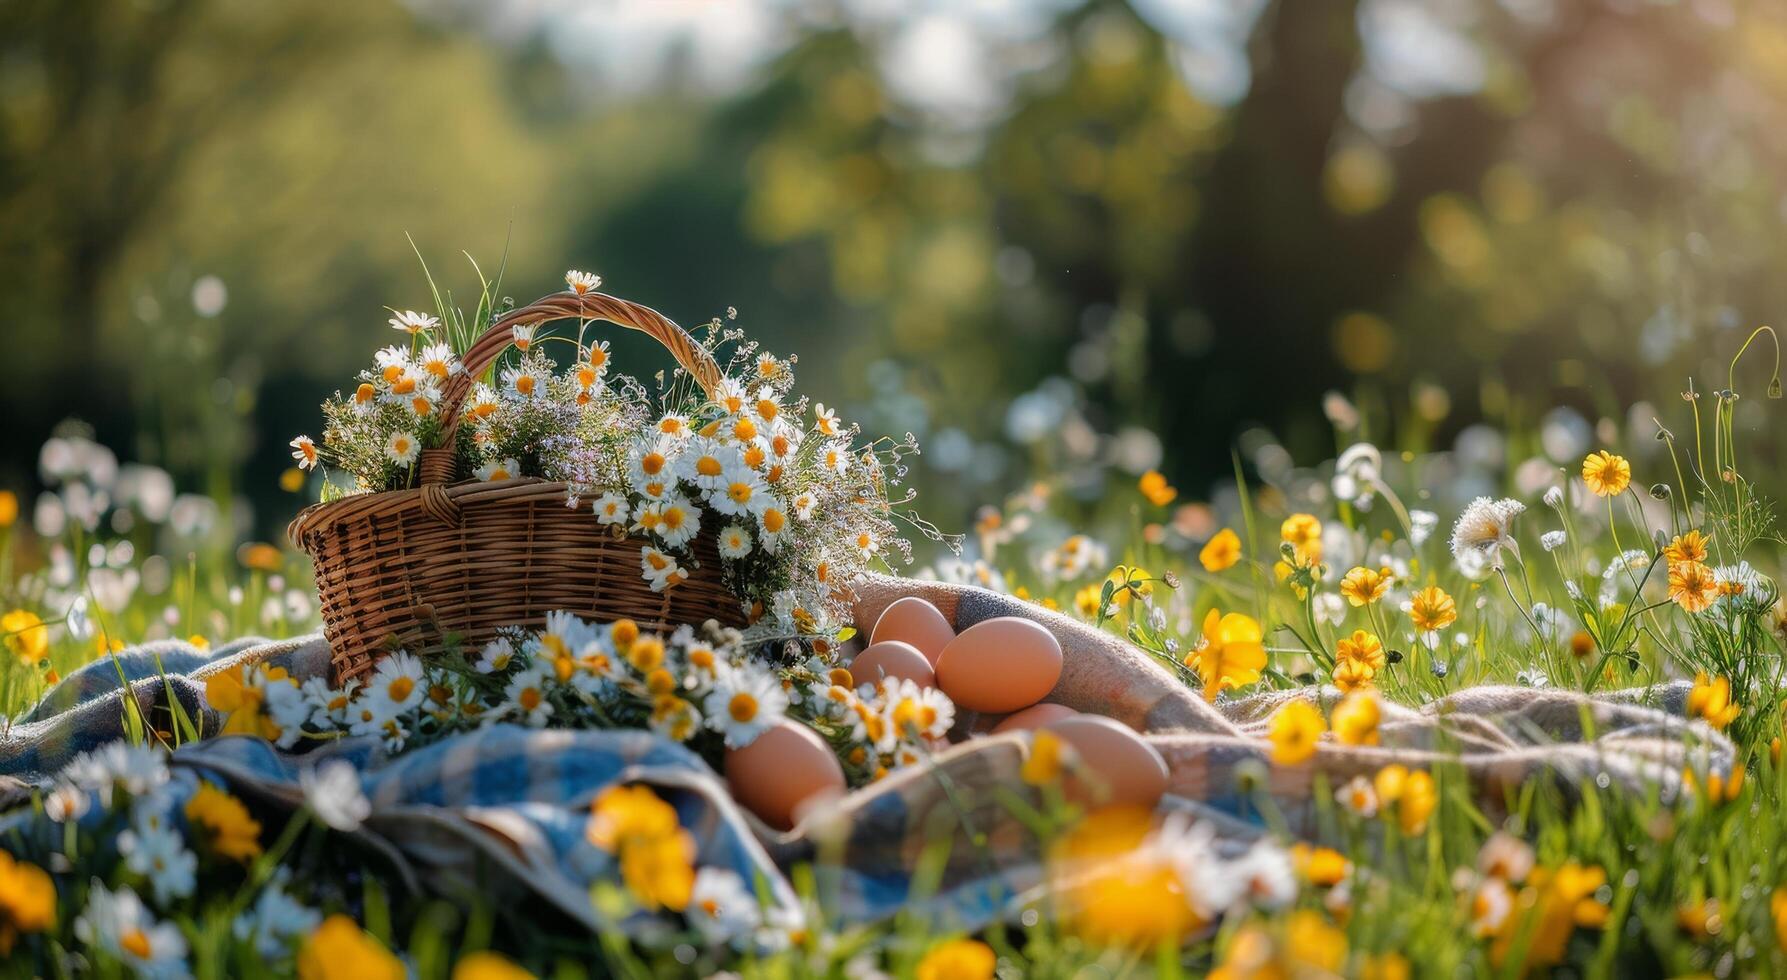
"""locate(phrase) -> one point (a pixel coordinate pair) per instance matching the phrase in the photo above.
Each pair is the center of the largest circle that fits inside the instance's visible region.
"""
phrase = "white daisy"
(333, 793)
(594, 366)
(304, 452)
(772, 521)
(730, 396)
(675, 521)
(506, 468)
(582, 282)
(523, 381)
(402, 448)
(136, 769)
(611, 508)
(768, 405)
(1358, 797)
(675, 426)
(118, 924)
(496, 656)
(866, 544)
(744, 702)
(825, 421)
(721, 906)
(523, 335)
(413, 323)
(392, 361)
(525, 698)
(652, 467)
(661, 570)
(834, 457)
(397, 682)
(804, 504)
(704, 461)
(438, 360)
(277, 920)
(329, 706)
(156, 851)
(909, 708)
(480, 404)
(740, 491)
(735, 541)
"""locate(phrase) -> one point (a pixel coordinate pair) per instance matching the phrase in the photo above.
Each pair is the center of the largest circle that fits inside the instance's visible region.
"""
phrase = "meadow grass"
(1670, 885)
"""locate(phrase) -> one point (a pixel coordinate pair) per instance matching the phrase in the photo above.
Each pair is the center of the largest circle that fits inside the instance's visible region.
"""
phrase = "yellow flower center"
(744, 430)
(136, 943)
(652, 463)
(768, 409)
(774, 521)
(400, 688)
(530, 698)
(672, 518)
(742, 707)
(739, 492)
(525, 384)
(708, 466)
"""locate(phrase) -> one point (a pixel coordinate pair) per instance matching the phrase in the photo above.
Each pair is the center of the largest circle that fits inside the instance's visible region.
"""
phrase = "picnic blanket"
(501, 812)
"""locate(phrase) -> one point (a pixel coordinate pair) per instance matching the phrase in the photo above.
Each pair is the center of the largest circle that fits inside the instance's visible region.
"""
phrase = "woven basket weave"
(408, 568)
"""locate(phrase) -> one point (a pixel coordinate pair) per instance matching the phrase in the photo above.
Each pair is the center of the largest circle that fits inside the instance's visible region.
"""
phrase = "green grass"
(1688, 883)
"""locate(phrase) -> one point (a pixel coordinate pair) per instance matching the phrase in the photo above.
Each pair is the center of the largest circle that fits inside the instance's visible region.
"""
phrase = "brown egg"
(892, 658)
(783, 770)
(1000, 665)
(915, 621)
(1035, 716)
(1115, 765)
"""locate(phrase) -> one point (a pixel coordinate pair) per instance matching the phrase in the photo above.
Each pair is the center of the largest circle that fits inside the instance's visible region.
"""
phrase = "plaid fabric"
(501, 812)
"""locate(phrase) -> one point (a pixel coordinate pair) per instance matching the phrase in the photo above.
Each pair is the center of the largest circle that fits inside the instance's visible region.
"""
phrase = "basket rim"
(319, 516)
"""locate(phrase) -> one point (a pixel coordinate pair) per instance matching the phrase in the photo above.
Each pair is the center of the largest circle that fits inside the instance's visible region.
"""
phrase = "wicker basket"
(407, 568)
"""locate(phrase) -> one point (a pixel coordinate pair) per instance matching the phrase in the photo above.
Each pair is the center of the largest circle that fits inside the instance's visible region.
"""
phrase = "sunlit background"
(1074, 239)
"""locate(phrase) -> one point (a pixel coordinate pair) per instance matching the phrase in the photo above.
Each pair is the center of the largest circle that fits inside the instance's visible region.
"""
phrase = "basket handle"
(437, 464)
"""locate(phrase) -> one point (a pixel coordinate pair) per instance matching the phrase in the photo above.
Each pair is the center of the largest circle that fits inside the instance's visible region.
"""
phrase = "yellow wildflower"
(1691, 546)
(1431, 609)
(1606, 474)
(1711, 699)
(1220, 552)
(1043, 765)
(1363, 586)
(1352, 675)
(1295, 730)
(233, 833)
(655, 853)
(1385, 966)
(1559, 901)
(340, 950)
(958, 959)
(1363, 647)
(1413, 793)
(1304, 533)
(1231, 654)
(1323, 867)
(9, 509)
(1356, 719)
(26, 636)
(27, 901)
(1154, 486)
(1692, 586)
(1777, 910)
(1130, 896)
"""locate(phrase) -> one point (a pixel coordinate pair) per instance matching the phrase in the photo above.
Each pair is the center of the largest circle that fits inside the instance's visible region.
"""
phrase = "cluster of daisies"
(703, 688)
(795, 504)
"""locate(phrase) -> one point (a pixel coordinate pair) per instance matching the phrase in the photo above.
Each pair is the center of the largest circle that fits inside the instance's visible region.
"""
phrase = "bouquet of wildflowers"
(705, 689)
(796, 503)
